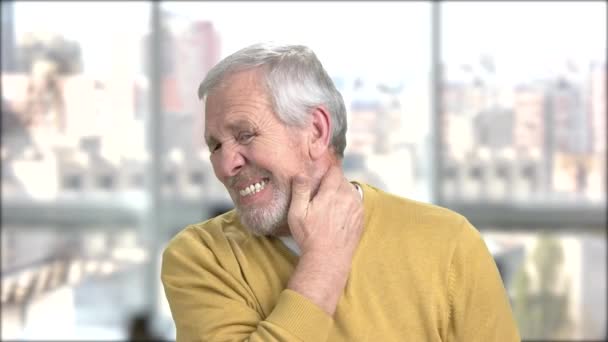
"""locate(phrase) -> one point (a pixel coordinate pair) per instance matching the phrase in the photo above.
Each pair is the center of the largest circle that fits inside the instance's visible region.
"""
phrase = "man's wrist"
(334, 262)
(320, 279)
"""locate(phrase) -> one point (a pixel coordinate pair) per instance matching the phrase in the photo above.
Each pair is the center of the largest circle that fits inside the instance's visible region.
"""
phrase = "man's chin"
(259, 222)
(268, 218)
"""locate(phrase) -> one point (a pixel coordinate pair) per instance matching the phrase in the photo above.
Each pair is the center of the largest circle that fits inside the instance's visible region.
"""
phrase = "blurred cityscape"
(541, 139)
(77, 160)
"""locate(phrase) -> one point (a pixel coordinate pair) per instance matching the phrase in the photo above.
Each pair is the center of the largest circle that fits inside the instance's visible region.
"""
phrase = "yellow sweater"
(420, 273)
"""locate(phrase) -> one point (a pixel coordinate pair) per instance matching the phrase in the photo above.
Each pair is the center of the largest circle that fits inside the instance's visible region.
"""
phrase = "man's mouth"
(253, 188)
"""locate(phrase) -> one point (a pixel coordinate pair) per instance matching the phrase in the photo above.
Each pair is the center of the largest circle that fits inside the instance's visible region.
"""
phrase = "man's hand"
(332, 221)
(327, 228)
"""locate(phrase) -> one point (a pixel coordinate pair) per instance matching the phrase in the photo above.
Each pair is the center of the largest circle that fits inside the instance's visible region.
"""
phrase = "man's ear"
(320, 133)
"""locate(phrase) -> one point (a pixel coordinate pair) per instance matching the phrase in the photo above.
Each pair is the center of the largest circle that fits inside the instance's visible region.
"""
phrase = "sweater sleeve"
(479, 306)
(209, 304)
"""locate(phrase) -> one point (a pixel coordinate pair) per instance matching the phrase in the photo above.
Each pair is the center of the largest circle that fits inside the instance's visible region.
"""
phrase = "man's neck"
(284, 230)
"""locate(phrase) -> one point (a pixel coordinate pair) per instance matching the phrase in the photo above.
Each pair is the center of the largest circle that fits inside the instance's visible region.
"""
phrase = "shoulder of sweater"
(208, 245)
(210, 233)
(415, 214)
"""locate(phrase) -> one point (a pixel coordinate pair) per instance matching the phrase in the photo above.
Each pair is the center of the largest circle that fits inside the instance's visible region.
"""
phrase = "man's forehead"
(248, 79)
(235, 122)
(236, 109)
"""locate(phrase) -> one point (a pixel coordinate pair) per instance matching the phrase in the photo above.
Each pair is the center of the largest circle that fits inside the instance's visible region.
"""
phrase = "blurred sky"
(532, 46)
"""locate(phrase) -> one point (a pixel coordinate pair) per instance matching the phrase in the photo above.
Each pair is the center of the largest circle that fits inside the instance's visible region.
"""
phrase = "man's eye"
(245, 138)
(215, 147)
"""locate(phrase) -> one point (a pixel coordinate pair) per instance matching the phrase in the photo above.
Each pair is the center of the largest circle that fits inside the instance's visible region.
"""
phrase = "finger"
(300, 195)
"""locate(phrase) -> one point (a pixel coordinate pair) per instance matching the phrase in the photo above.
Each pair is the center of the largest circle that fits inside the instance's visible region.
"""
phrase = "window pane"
(73, 100)
(88, 279)
(556, 281)
(524, 102)
(74, 90)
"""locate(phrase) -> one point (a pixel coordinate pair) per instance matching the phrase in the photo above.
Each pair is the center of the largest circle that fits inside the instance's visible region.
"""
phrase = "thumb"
(300, 195)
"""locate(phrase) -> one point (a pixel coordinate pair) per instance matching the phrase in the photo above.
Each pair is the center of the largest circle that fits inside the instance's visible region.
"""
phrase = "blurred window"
(524, 102)
(555, 279)
(73, 96)
(523, 153)
(522, 119)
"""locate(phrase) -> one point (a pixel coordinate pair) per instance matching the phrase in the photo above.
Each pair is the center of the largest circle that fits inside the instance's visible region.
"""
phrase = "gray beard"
(268, 220)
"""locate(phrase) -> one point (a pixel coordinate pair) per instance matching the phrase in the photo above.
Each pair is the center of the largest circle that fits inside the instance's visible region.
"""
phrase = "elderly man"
(308, 255)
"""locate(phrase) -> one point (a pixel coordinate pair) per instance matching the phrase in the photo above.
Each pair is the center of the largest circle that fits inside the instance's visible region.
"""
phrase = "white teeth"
(253, 188)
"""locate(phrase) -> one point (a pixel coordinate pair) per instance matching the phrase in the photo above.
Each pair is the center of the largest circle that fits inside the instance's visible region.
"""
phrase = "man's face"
(253, 153)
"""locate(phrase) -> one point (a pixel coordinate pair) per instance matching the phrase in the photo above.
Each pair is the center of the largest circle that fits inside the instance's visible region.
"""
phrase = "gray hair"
(296, 82)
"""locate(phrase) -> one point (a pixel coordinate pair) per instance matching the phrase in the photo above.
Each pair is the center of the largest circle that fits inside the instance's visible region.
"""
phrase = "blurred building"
(365, 114)
(597, 105)
(195, 49)
(571, 122)
(494, 128)
(529, 124)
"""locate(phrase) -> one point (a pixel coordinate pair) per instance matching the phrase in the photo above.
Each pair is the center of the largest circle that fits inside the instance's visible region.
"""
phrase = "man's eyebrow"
(233, 126)
(239, 124)
(209, 140)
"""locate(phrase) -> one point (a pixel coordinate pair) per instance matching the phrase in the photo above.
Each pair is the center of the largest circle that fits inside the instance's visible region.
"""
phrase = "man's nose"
(230, 161)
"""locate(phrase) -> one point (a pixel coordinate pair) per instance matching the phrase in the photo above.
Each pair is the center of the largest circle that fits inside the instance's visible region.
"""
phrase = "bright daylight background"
(496, 110)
